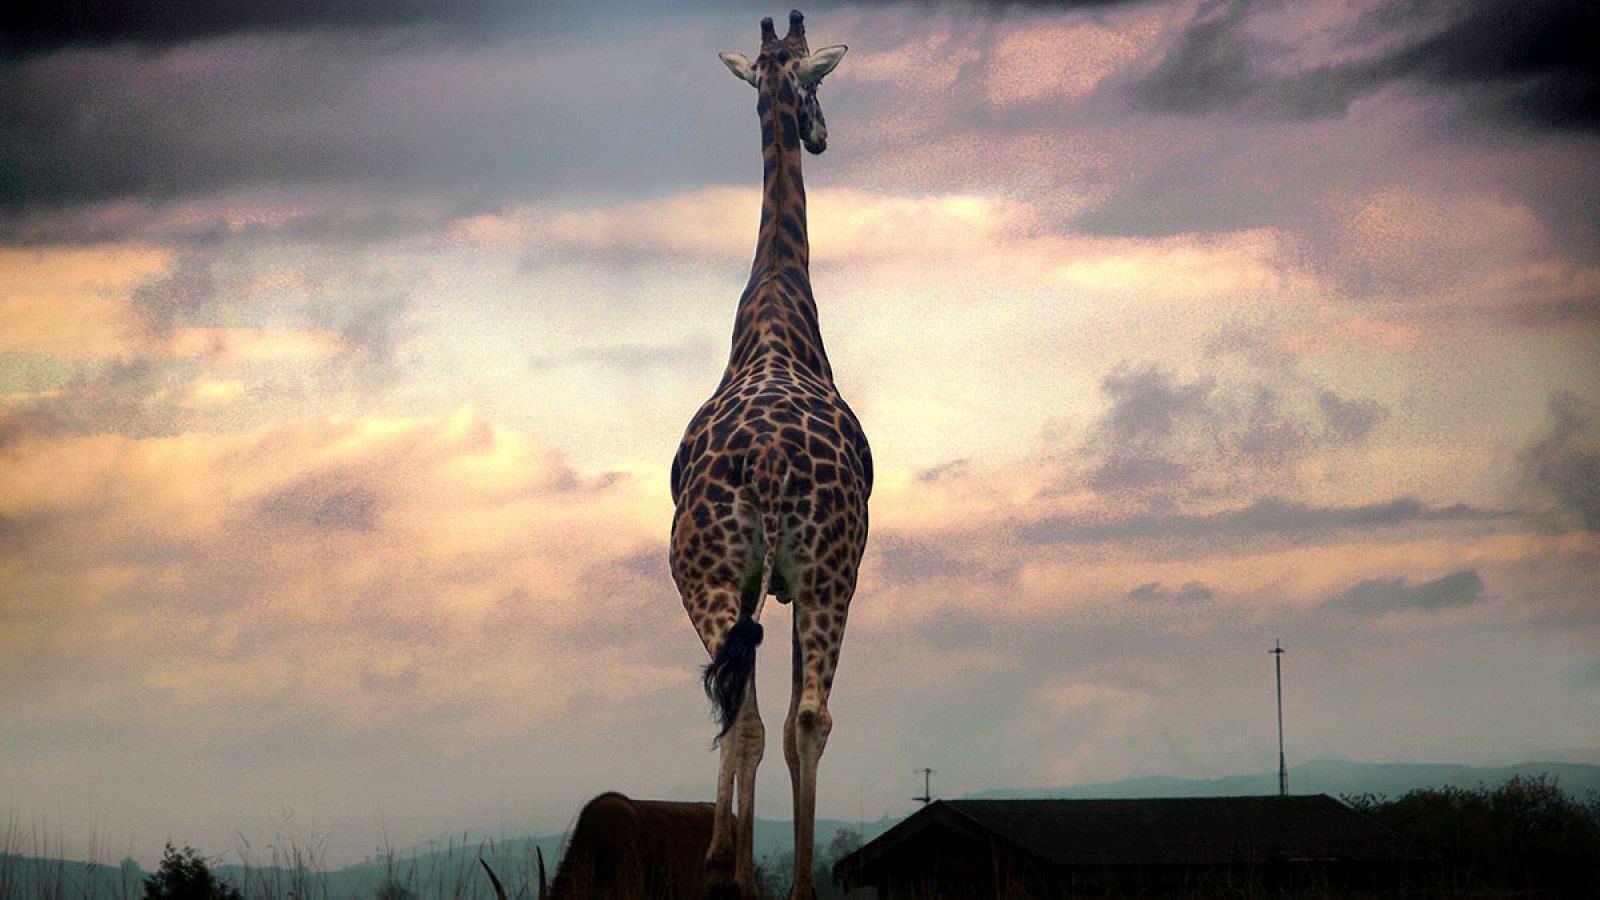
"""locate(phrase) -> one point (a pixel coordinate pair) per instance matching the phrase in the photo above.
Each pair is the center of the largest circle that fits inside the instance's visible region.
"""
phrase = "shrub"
(184, 875)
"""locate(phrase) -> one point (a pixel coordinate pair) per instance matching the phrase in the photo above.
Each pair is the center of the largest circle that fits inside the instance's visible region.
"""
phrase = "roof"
(1173, 831)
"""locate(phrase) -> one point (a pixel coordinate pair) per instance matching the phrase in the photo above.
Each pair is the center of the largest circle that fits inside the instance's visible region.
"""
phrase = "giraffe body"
(770, 483)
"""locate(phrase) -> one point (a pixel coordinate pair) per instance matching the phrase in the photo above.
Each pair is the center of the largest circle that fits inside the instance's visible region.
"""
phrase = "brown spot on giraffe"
(771, 482)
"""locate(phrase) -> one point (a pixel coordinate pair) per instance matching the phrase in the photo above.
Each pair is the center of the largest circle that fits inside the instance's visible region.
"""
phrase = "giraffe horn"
(767, 31)
(797, 25)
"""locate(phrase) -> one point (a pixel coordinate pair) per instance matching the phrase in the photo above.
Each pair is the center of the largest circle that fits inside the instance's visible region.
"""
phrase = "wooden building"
(1185, 847)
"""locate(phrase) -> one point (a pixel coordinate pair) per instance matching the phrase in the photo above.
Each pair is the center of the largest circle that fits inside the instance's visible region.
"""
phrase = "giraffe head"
(787, 62)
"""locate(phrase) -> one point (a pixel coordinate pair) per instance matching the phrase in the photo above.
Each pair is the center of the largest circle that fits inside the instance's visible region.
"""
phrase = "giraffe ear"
(820, 63)
(740, 66)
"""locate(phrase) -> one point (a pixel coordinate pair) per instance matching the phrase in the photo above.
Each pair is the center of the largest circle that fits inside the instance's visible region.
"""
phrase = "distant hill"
(448, 867)
(1322, 776)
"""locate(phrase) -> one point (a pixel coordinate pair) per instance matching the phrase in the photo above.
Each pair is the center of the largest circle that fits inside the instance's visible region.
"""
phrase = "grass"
(31, 868)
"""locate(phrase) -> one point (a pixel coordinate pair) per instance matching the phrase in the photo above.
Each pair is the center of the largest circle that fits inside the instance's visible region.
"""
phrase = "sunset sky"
(344, 348)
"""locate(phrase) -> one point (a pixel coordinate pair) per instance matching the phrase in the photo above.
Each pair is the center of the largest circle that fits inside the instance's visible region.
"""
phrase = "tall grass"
(32, 867)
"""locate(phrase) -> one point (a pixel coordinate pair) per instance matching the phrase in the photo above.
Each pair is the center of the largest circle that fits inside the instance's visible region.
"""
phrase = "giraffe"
(770, 484)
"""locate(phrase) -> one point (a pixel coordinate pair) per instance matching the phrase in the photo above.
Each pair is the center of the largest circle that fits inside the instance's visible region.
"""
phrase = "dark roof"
(1177, 831)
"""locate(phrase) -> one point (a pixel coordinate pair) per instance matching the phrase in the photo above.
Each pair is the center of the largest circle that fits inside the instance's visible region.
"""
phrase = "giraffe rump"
(729, 672)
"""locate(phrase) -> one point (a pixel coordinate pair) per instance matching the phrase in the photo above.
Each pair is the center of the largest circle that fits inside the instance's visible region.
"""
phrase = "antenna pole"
(927, 795)
(1283, 768)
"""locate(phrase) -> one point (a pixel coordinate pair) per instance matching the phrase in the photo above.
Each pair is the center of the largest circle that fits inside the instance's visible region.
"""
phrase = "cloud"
(1380, 597)
(955, 468)
(322, 502)
(465, 126)
(1350, 421)
(1163, 437)
(1027, 65)
(43, 28)
(1564, 463)
(314, 546)
(1502, 61)
(1265, 518)
(1140, 429)
(131, 302)
(917, 559)
(1155, 592)
(73, 301)
(1528, 61)
(719, 223)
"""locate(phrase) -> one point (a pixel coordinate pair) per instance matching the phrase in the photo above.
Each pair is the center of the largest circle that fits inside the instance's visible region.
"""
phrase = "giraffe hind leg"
(730, 637)
(751, 739)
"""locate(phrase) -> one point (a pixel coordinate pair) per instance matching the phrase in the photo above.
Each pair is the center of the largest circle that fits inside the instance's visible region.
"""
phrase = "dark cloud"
(1270, 436)
(402, 682)
(19, 533)
(1163, 436)
(1208, 69)
(1349, 421)
(357, 117)
(1145, 404)
(1532, 60)
(179, 297)
(323, 502)
(1156, 592)
(1265, 518)
(1506, 60)
(37, 27)
(126, 396)
(1380, 596)
(1565, 462)
(322, 217)
(1139, 430)
(917, 559)
(955, 468)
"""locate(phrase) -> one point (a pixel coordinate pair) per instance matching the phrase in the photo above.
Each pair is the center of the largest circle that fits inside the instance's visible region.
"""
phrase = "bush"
(184, 875)
(1524, 835)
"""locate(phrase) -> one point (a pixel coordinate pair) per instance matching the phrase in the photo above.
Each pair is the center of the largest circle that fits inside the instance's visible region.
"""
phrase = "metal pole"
(1283, 768)
(927, 795)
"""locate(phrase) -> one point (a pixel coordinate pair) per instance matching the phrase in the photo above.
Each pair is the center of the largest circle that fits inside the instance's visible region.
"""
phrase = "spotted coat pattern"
(775, 461)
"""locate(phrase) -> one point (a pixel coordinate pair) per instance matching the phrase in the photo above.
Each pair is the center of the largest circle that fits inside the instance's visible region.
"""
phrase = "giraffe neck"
(777, 318)
(781, 240)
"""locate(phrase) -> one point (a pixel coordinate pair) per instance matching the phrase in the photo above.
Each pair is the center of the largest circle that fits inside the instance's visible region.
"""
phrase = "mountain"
(1323, 776)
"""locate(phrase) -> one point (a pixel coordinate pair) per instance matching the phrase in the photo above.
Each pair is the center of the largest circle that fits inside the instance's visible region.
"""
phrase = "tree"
(184, 875)
(1525, 834)
(845, 842)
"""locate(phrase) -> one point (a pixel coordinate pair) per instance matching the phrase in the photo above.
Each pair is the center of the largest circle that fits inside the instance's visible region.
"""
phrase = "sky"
(344, 348)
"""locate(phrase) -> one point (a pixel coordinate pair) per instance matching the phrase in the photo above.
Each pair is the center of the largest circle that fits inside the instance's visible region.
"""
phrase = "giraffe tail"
(730, 671)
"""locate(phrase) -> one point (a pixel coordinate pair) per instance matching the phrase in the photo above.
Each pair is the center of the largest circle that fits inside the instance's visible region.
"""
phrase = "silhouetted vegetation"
(775, 873)
(184, 875)
(1525, 835)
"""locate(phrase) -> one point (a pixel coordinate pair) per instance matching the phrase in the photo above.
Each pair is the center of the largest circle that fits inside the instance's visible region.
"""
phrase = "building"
(1203, 846)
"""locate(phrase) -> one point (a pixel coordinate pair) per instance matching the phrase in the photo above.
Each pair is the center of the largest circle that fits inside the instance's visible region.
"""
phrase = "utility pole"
(1283, 768)
(927, 795)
